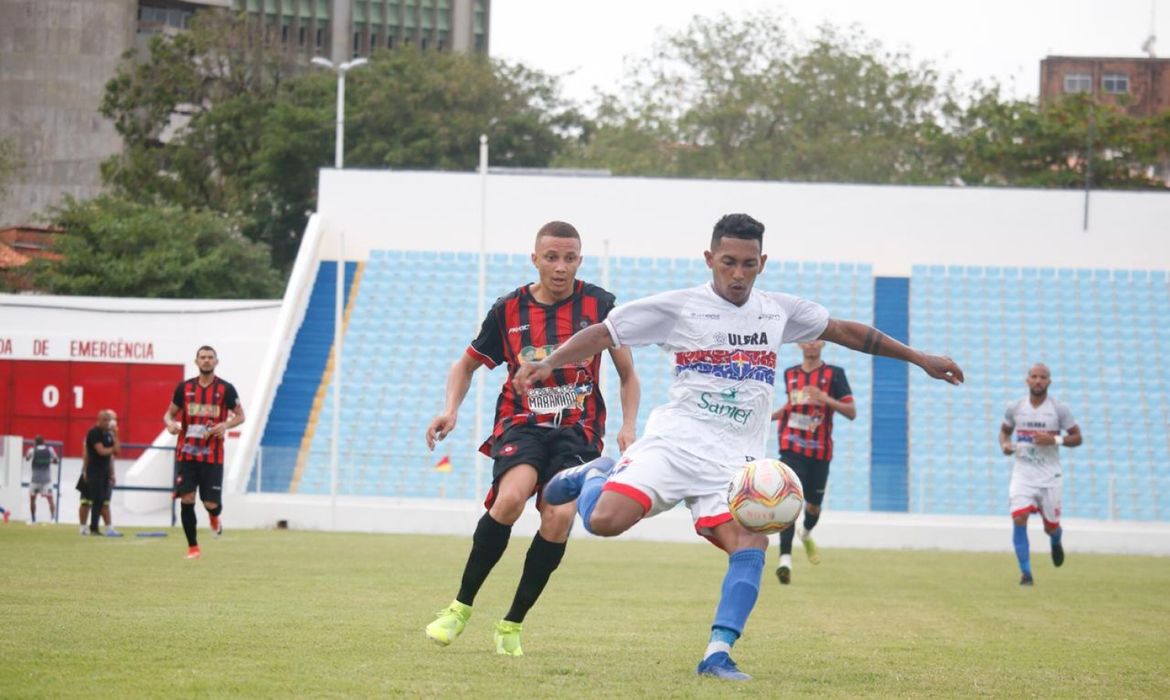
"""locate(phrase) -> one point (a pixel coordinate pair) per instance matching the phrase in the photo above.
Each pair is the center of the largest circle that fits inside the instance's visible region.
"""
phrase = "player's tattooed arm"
(867, 339)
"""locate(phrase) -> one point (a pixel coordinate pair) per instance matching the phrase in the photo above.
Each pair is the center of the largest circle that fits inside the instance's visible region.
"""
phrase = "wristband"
(1059, 440)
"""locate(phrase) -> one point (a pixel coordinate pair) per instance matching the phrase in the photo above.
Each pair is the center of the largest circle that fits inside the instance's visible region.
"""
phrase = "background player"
(555, 424)
(41, 458)
(815, 392)
(203, 409)
(725, 338)
(1037, 420)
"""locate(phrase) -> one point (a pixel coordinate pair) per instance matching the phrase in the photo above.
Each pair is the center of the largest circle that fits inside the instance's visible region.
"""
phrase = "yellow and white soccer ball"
(765, 496)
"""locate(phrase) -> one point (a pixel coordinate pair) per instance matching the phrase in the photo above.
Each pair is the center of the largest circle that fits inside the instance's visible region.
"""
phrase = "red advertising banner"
(61, 399)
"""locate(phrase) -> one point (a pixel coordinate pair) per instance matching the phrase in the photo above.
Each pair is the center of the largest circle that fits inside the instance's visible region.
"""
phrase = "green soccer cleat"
(507, 636)
(449, 623)
(810, 549)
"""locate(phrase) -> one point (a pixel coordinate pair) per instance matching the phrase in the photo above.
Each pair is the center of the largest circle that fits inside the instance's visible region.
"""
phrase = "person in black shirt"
(101, 444)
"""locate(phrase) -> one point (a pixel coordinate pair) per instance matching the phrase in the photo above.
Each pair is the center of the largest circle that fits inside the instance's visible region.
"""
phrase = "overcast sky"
(585, 42)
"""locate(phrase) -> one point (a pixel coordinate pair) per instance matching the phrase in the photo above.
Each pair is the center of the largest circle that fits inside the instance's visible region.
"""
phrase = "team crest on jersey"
(530, 353)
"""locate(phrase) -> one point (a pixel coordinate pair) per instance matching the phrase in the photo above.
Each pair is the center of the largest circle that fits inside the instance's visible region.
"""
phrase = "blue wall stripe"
(298, 386)
(888, 475)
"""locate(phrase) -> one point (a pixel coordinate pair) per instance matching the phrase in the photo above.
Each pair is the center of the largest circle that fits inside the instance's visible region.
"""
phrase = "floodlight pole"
(342, 69)
(339, 298)
(481, 309)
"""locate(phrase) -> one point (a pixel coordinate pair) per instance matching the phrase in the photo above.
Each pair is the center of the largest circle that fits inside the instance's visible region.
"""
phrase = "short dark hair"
(40, 439)
(557, 229)
(206, 347)
(737, 226)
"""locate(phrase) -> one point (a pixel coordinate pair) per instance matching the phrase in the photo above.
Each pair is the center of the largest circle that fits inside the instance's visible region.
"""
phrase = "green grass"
(299, 614)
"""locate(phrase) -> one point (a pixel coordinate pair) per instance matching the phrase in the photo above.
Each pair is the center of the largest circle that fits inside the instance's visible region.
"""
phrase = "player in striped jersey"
(203, 409)
(554, 425)
(815, 392)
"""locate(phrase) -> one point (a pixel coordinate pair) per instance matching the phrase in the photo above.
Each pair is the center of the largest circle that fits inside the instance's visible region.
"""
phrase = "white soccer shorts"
(659, 475)
(1025, 498)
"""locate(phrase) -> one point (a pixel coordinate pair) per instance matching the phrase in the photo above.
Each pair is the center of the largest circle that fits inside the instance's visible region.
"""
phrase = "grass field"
(300, 614)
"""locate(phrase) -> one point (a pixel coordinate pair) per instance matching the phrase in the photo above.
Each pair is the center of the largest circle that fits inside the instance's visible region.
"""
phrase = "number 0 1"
(51, 396)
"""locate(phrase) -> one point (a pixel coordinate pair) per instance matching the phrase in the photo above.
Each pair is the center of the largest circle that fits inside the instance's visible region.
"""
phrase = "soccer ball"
(765, 496)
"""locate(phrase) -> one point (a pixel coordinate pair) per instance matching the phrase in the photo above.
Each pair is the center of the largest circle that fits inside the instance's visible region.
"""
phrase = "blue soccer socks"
(1020, 541)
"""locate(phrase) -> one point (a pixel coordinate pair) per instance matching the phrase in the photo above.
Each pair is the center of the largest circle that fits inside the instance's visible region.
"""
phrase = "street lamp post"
(338, 320)
(341, 71)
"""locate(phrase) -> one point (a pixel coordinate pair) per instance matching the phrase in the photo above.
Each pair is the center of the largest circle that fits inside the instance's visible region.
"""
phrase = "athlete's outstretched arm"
(583, 344)
(458, 382)
(631, 394)
(867, 339)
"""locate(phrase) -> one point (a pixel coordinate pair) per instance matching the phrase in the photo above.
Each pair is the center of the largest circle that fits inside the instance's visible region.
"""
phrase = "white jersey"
(720, 403)
(1035, 465)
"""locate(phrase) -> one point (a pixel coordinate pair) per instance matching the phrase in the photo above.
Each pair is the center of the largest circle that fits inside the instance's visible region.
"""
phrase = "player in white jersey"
(1038, 421)
(725, 338)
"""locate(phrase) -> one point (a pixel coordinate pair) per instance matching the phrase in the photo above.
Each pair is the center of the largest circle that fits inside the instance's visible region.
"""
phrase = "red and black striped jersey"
(201, 407)
(805, 428)
(520, 329)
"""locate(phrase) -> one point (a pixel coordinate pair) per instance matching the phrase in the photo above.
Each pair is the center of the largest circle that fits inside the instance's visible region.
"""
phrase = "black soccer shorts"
(549, 450)
(813, 473)
(206, 477)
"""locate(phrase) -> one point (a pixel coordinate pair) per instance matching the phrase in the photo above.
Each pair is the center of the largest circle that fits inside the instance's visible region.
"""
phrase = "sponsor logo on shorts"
(508, 450)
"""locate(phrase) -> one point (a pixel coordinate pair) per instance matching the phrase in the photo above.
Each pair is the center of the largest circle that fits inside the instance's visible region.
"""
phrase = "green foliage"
(1011, 142)
(749, 98)
(406, 109)
(743, 98)
(310, 614)
(119, 247)
(218, 118)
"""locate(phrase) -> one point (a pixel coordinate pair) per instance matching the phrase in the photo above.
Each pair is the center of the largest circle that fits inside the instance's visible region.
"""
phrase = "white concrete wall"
(892, 228)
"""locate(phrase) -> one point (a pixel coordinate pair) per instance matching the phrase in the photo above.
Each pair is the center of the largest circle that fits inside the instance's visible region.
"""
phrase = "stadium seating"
(1103, 333)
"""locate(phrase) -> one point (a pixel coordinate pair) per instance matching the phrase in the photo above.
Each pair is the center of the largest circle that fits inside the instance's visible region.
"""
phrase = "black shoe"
(784, 573)
(1057, 554)
(1026, 580)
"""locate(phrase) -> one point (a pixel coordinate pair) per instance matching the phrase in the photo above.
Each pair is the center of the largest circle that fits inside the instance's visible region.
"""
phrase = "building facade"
(57, 55)
(1140, 85)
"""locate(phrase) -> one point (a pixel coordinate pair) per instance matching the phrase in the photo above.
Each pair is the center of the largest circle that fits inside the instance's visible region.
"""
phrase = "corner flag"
(444, 464)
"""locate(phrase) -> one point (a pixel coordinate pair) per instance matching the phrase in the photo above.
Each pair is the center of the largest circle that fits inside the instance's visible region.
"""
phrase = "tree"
(1019, 143)
(191, 114)
(407, 109)
(113, 246)
(748, 99)
(219, 118)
